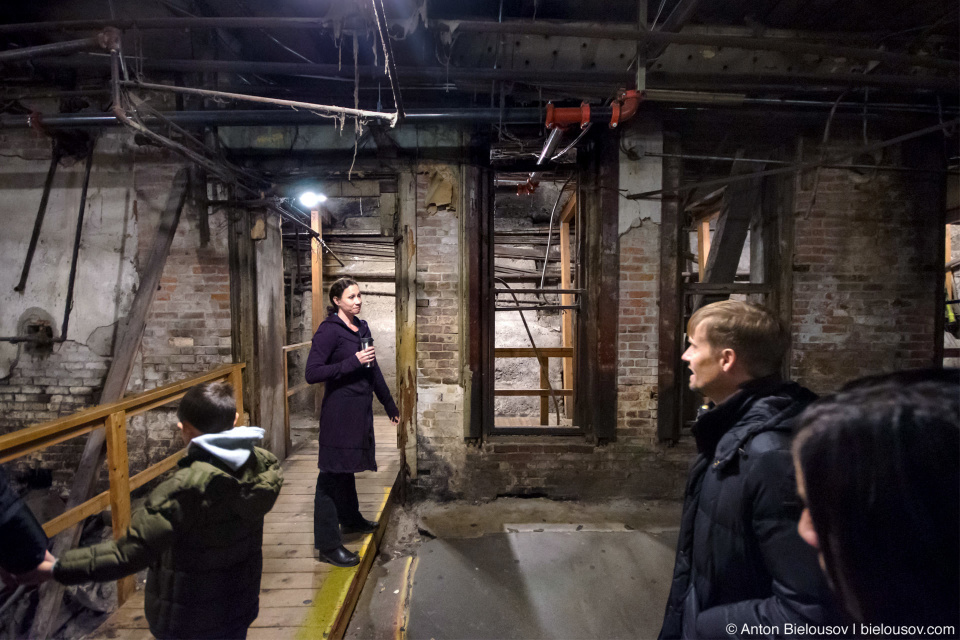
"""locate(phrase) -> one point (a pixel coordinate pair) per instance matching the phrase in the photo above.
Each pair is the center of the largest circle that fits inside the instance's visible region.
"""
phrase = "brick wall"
(188, 329)
(440, 445)
(557, 467)
(864, 268)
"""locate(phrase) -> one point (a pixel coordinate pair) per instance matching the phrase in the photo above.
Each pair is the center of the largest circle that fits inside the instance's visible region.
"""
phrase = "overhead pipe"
(102, 40)
(532, 76)
(559, 119)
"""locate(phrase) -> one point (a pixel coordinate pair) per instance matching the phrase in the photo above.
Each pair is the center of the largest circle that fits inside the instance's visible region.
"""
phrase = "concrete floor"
(516, 568)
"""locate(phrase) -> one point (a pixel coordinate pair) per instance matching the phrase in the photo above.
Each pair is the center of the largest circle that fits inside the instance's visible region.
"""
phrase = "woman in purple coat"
(346, 421)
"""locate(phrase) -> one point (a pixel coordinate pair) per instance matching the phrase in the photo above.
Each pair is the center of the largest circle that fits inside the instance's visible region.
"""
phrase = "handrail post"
(236, 379)
(286, 401)
(119, 468)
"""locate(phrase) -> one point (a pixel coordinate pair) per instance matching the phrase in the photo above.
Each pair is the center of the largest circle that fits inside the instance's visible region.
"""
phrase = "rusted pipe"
(38, 224)
(104, 39)
(76, 247)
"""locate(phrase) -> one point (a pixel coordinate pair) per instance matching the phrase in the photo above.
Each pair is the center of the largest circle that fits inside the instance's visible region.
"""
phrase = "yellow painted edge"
(331, 595)
(403, 606)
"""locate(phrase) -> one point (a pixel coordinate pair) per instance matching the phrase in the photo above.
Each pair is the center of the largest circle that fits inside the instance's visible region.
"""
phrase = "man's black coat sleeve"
(23, 543)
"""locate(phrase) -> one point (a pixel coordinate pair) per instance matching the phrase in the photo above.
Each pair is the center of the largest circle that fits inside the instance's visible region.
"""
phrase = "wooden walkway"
(300, 597)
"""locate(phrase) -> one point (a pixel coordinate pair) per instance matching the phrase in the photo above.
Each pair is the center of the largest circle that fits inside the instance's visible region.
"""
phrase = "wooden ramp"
(300, 597)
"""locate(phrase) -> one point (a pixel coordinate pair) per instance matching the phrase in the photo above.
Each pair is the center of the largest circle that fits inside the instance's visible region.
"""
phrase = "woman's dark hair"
(881, 470)
(336, 291)
(209, 407)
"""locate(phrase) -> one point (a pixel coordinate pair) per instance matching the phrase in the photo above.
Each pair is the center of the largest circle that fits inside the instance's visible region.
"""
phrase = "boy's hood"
(234, 446)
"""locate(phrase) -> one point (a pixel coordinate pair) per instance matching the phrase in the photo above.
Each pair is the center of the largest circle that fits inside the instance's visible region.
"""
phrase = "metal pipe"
(532, 291)
(567, 79)
(76, 246)
(38, 224)
(869, 167)
(224, 118)
(783, 45)
(797, 166)
(391, 118)
(390, 63)
(46, 50)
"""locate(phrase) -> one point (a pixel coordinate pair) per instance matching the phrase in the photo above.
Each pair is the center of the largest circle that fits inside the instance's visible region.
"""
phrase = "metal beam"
(783, 45)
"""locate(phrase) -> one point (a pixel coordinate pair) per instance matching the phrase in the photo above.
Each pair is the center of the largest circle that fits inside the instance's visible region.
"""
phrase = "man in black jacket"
(741, 568)
(23, 544)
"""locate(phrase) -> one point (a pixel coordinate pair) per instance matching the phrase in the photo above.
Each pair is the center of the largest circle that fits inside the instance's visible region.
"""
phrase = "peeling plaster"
(640, 173)
(106, 273)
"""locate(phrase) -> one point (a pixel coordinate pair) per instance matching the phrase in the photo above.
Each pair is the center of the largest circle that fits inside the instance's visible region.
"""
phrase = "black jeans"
(334, 503)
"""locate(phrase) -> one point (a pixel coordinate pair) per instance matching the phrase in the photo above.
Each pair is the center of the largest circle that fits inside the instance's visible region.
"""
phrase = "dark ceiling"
(477, 68)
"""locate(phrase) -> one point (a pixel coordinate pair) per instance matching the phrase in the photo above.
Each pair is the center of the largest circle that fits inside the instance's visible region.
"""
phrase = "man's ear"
(728, 358)
(236, 417)
(180, 426)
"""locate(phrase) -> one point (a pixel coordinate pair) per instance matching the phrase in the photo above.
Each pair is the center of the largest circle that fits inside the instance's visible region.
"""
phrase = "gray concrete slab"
(541, 582)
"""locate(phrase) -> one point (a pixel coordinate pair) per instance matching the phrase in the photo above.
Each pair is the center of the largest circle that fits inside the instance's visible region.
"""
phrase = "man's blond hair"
(756, 335)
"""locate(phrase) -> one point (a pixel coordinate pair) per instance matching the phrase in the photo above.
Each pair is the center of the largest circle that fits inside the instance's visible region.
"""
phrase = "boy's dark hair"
(209, 407)
(881, 472)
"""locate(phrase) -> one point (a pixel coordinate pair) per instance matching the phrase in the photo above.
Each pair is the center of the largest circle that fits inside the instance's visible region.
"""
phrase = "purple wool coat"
(346, 415)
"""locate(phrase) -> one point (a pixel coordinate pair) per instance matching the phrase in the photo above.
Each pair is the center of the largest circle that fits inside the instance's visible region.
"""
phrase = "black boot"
(361, 526)
(339, 557)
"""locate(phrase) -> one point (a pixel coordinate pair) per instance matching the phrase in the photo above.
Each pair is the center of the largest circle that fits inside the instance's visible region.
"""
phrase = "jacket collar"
(718, 420)
(337, 321)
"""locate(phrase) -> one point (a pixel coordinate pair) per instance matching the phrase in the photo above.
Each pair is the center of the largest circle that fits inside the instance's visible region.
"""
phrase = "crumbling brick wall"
(557, 467)
(865, 269)
(188, 329)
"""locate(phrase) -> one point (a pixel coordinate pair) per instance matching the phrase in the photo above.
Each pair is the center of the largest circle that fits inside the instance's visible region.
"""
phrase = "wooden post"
(118, 465)
(316, 271)
(566, 299)
(544, 384)
(269, 333)
(316, 288)
(236, 380)
(669, 374)
(405, 239)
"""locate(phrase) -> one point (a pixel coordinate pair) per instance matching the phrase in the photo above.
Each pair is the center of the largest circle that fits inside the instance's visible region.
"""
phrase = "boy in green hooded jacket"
(200, 533)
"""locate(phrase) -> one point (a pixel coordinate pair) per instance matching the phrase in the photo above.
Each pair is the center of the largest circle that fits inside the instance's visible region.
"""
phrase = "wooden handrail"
(113, 417)
(23, 441)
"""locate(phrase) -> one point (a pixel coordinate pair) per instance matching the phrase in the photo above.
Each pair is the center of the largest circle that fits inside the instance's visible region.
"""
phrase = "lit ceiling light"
(309, 199)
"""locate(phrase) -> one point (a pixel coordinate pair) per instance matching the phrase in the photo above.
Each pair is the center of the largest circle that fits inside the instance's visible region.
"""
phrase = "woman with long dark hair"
(878, 467)
(352, 377)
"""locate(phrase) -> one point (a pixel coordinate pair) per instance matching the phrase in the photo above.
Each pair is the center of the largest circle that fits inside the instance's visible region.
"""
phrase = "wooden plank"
(514, 393)
(670, 316)
(316, 271)
(530, 352)
(156, 470)
(568, 212)
(703, 244)
(118, 466)
(269, 336)
(77, 514)
(566, 315)
(127, 346)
